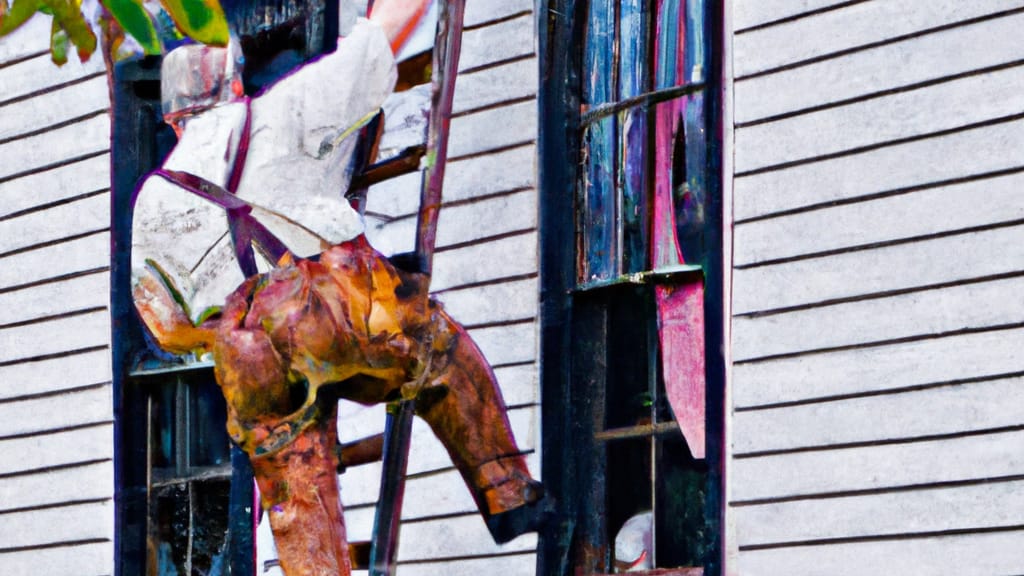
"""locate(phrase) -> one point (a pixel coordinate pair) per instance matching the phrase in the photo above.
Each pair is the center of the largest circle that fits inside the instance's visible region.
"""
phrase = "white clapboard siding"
(851, 27)
(88, 214)
(54, 336)
(942, 260)
(973, 204)
(37, 452)
(523, 564)
(71, 523)
(464, 179)
(56, 431)
(499, 42)
(37, 75)
(879, 368)
(483, 13)
(929, 58)
(77, 482)
(33, 37)
(945, 410)
(485, 262)
(80, 293)
(920, 314)
(48, 375)
(928, 110)
(809, 474)
(981, 554)
(24, 417)
(54, 108)
(877, 336)
(518, 300)
(55, 146)
(85, 254)
(931, 510)
(491, 86)
(492, 129)
(930, 161)
(56, 185)
(750, 13)
(463, 223)
(61, 561)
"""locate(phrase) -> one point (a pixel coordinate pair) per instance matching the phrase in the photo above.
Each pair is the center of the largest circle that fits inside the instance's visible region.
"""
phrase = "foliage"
(201, 20)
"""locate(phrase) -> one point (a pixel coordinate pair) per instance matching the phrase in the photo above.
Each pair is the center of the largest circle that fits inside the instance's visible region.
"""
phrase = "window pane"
(630, 499)
(634, 79)
(682, 537)
(596, 219)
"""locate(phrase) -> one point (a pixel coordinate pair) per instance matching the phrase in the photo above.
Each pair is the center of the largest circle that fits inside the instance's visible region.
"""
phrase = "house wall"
(485, 273)
(877, 320)
(56, 432)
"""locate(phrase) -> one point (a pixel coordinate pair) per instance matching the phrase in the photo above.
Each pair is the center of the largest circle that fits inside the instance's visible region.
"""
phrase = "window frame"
(572, 335)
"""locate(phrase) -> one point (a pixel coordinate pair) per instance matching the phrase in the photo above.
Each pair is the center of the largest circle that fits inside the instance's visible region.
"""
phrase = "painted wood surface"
(877, 334)
(56, 482)
(854, 26)
(868, 370)
(932, 57)
(501, 41)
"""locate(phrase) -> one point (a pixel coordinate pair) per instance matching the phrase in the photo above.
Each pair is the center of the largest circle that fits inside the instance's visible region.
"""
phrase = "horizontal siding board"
(926, 58)
(54, 107)
(54, 374)
(906, 415)
(494, 303)
(464, 179)
(929, 161)
(95, 558)
(34, 452)
(71, 219)
(80, 293)
(478, 13)
(512, 256)
(963, 555)
(492, 129)
(902, 115)
(71, 257)
(851, 27)
(749, 13)
(878, 467)
(520, 384)
(972, 204)
(513, 169)
(39, 74)
(935, 510)
(31, 37)
(88, 136)
(903, 266)
(455, 537)
(55, 413)
(507, 344)
(501, 41)
(55, 185)
(965, 307)
(512, 565)
(68, 523)
(464, 223)
(867, 370)
(55, 336)
(492, 86)
(85, 482)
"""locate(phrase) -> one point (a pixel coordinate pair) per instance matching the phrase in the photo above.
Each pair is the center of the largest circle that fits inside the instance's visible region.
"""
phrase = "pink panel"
(681, 331)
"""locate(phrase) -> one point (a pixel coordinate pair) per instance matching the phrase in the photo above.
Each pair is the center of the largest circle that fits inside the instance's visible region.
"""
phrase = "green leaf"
(136, 22)
(67, 16)
(14, 15)
(201, 20)
(59, 42)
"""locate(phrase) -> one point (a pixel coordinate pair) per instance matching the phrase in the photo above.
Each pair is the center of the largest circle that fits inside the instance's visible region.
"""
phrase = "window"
(631, 256)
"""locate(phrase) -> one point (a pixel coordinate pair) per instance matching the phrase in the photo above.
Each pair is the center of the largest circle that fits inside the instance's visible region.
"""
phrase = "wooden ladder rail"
(392, 447)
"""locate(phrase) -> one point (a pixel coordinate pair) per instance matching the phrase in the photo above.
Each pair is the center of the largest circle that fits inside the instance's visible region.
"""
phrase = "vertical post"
(388, 519)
